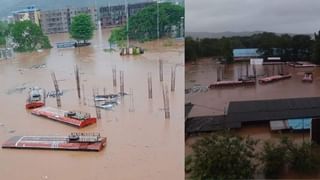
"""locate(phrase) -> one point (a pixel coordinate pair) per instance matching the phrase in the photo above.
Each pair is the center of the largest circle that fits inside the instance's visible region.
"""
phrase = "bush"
(223, 156)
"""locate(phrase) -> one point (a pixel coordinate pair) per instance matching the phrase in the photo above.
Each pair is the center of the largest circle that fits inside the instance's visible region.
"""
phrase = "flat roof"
(276, 109)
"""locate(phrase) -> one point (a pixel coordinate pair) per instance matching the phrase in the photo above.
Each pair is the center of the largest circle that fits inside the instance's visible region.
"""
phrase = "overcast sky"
(282, 16)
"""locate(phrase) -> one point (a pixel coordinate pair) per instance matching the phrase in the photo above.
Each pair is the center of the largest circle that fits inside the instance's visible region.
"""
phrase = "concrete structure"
(6, 53)
(116, 15)
(30, 13)
(59, 21)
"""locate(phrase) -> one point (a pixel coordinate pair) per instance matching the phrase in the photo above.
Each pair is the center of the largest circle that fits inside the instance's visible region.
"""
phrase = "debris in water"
(38, 66)
(53, 94)
(12, 131)
(17, 89)
(196, 89)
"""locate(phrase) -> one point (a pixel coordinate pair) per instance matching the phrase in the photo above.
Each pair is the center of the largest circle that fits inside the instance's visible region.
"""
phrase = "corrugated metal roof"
(208, 124)
(280, 109)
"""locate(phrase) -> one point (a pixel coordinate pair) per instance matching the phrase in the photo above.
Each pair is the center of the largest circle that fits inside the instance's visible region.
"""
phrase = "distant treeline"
(289, 48)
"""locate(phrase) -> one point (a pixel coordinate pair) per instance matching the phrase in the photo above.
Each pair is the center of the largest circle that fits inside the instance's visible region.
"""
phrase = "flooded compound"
(201, 75)
(143, 142)
(215, 101)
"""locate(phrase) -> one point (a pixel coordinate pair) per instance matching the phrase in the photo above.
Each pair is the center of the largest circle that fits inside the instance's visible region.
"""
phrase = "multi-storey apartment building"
(116, 15)
(30, 13)
(58, 21)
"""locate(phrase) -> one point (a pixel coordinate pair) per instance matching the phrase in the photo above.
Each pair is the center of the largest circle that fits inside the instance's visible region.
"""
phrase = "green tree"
(316, 48)
(223, 156)
(3, 33)
(118, 36)
(28, 36)
(82, 28)
(274, 158)
(299, 157)
(143, 25)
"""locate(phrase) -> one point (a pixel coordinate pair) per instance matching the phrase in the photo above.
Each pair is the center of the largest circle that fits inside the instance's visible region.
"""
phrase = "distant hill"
(202, 35)
(8, 6)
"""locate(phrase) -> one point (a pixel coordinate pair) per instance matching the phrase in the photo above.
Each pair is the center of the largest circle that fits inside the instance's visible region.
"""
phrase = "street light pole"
(127, 16)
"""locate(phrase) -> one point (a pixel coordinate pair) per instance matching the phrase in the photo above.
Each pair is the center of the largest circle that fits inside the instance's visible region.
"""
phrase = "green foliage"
(223, 156)
(82, 27)
(118, 36)
(274, 158)
(3, 33)
(28, 36)
(143, 25)
(191, 49)
(289, 48)
(316, 48)
(298, 157)
(188, 164)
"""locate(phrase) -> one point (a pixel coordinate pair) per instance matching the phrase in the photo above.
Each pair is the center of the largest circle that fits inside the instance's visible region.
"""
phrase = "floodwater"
(215, 101)
(142, 144)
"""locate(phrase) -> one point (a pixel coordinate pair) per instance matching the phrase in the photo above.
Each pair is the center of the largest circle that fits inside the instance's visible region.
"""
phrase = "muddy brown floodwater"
(141, 144)
(215, 102)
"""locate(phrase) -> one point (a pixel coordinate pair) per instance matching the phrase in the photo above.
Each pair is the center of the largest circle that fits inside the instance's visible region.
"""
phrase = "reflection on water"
(141, 143)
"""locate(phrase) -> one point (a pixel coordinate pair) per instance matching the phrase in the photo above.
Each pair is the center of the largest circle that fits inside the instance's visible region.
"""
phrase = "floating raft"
(75, 118)
(274, 78)
(75, 142)
(108, 97)
(231, 83)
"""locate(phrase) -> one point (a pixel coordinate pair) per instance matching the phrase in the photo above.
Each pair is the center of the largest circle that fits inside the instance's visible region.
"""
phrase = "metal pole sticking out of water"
(173, 78)
(218, 73)
(131, 109)
(121, 83)
(166, 106)
(127, 16)
(161, 69)
(247, 70)
(149, 85)
(114, 76)
(254, 71)
(98, 111)
(78, 81)
(83, 96)
(55, 82)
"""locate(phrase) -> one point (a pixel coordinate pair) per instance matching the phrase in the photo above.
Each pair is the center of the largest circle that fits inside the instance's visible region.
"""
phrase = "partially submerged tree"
(28, 36)
(316, 48)
(223, 156)
(82, 28)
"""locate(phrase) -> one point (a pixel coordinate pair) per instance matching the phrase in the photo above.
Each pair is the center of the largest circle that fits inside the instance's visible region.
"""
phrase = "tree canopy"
(28, 36)
(143, 25)
(223, 156)
(3, 33)
(288, 47)
(82, 27)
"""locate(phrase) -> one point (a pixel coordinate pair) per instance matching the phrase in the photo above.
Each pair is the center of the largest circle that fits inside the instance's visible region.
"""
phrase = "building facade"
(30, 13)
(59, 21)
(116, 15)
